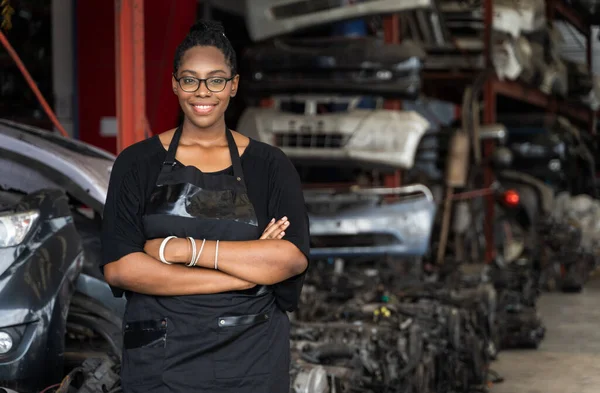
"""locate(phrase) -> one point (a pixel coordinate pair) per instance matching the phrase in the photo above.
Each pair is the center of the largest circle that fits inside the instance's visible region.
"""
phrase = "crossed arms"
(242, 265)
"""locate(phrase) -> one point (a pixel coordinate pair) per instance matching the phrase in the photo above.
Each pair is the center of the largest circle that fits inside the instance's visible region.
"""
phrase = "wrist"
(207, 259)
(178, 250)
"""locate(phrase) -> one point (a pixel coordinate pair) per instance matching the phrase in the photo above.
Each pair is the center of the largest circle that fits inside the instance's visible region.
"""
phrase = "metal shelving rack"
(450, 85)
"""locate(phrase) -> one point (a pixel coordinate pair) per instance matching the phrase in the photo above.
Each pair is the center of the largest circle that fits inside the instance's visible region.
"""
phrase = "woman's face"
(204, 108)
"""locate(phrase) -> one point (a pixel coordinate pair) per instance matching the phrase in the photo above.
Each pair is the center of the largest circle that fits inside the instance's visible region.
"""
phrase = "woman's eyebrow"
(209, 73)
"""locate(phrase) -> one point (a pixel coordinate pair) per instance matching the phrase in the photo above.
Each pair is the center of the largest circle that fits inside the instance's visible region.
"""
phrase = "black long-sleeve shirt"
(273, 185)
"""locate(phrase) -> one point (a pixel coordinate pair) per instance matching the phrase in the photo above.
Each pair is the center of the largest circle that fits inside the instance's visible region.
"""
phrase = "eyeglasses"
(190, 84)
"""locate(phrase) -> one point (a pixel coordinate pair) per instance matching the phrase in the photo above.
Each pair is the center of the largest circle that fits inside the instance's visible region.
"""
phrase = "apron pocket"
(144, 345)
(242, 346)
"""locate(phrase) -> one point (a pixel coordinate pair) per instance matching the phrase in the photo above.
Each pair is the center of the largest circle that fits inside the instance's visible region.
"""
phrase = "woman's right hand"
(275, 230)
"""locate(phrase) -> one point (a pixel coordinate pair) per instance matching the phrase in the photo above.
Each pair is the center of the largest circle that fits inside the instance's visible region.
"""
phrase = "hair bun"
(207, 26)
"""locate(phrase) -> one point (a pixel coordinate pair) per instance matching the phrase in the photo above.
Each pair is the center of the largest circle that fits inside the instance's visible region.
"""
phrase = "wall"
(165, 25)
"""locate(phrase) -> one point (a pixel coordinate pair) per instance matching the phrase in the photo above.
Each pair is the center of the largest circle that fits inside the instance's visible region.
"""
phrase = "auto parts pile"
(572, 235)
(452, 35)
(523, 47)
(358, 329)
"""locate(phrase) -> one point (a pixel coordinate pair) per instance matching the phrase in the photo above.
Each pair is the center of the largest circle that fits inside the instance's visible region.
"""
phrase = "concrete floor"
(568, 360)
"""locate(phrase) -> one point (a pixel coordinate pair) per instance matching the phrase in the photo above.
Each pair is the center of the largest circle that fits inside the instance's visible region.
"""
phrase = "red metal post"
(130, 72)
(391, 33)
(489, 116)
(488, 13)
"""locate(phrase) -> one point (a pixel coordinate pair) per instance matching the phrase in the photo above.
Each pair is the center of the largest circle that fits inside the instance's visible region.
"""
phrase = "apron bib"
(229, 342)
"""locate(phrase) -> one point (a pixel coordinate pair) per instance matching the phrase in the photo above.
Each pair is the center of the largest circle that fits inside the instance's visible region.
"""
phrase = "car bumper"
(401, 228)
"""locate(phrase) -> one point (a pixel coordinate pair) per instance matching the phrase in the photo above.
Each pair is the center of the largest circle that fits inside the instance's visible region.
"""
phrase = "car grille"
(310, 140)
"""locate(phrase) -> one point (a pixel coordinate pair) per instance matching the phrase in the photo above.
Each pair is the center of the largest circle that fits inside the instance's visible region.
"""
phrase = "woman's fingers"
(275, 229)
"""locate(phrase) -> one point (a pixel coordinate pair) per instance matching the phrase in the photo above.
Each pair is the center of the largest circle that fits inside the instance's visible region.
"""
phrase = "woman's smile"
(203, 109)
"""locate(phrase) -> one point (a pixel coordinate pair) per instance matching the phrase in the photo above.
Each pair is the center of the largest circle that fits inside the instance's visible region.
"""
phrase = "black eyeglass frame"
(205, 82)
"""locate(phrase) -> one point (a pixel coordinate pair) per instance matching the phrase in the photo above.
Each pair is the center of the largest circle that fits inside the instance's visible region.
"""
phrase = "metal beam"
(63, 81)
(130, 72)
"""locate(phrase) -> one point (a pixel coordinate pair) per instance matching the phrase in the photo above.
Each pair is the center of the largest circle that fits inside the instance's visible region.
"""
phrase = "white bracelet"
(193, 258)
(161, 251)
(199, 253)
(217, 256)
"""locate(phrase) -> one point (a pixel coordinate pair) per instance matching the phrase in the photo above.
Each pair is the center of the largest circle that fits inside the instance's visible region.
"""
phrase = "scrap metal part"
(358, 223)
(369, 136)
(271, 18)
(334, 65)
(369, 334)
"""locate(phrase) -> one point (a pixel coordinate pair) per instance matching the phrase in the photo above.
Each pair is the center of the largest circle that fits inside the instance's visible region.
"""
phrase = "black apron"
(230, 342)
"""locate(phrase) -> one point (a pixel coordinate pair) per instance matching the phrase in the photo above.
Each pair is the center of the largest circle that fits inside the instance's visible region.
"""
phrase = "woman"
(207, 292)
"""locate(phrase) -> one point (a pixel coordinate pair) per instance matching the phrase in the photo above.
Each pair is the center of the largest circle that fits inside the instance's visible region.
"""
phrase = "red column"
(131, 73)
(165, 25)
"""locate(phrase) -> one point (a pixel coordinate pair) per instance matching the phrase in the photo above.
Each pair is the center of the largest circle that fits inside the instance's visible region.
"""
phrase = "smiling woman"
(190, 235)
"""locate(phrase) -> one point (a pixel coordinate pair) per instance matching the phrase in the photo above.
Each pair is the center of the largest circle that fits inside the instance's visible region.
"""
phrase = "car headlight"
(15, 226)
(554, 165)
(6, 343)
(390, 131)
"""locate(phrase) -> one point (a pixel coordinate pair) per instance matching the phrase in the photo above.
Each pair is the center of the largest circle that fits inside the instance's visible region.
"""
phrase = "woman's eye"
(217, 81)
(189, 81)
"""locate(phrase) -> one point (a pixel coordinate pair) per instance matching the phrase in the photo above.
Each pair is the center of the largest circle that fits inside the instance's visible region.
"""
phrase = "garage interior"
(448, 151)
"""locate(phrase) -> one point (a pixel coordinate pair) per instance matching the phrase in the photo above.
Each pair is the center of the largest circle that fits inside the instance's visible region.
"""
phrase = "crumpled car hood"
(80, 169)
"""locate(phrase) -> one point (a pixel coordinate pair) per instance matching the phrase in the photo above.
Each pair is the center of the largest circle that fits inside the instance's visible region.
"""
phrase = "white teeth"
(203, 106)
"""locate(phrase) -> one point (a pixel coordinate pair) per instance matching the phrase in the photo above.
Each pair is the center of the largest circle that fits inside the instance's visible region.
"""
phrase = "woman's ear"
(234, 85)
(174, 84)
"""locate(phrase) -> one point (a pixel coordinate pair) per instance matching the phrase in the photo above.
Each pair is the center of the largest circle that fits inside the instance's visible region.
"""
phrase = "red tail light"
(511, 198)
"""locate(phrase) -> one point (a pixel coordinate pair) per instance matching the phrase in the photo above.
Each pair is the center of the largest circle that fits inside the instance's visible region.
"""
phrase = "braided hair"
(206, 33)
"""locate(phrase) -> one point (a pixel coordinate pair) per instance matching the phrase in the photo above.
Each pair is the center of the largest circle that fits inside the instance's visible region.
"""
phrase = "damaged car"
(57, 309)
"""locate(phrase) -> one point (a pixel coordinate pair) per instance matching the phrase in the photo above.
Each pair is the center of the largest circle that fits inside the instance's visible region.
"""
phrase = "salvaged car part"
(360, 223)
(510, 17)
(334, 65)
(351, 135)
(33, 159)
(93, 376)
(461, 47)
(457, 166)
(583, 86)
(363, 332)
(271, 18)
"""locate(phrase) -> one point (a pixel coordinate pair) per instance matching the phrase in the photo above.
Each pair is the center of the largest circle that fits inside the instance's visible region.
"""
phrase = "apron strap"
(170, 158)
(236, 162)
